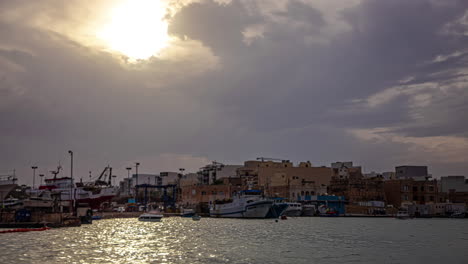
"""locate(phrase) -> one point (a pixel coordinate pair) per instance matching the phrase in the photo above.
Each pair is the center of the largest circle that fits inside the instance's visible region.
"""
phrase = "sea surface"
(296, 240)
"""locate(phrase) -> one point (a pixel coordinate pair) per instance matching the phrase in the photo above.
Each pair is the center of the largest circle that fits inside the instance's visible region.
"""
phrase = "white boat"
(402, 214)
(294, 209)
(246, 204)
(309, 210)
(150, 217)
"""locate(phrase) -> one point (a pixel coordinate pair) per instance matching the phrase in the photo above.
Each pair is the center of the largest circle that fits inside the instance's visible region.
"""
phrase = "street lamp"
(71, 177)
(41, 175)
(136, 172)
(34, 175)
(128, 179)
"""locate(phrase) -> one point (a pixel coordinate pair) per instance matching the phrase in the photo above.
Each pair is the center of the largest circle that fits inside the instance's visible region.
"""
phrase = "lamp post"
(71, 178)
(128, 179)
(136, 172)
(41, 175)
(179, 188)
(34, 175)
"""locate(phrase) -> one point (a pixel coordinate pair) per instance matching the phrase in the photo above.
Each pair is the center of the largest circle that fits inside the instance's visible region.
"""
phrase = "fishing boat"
(7, 184)
(245, 204)
(308, 210)
(93, 193)
(402, 214)
(187, 213)
(294, 209)
(278, 207)
(151, 217)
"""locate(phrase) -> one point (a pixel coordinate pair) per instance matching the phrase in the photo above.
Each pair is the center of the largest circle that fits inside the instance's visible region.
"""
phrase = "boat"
(308, 210)
(196, 217)
(93, 193)
(151, 217)
(294, 209)
(96, 217)
(402, 214)
(458, 215)
(277, 208)
(7, 184)
(187, 213)
(245, 204)
(326, 211)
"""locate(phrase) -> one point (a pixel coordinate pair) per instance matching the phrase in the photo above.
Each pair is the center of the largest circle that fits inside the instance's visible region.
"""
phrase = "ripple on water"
(297, 240)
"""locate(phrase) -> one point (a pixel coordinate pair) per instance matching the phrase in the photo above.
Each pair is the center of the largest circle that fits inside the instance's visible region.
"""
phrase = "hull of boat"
(306, 211)
(258, 209)
(293, 213)
(277, 210)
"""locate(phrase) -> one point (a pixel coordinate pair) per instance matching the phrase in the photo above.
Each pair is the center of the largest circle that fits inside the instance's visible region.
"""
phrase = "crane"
(103, 173)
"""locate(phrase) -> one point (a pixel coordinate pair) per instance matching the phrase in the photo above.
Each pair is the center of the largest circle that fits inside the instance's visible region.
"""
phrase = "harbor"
(260, 189)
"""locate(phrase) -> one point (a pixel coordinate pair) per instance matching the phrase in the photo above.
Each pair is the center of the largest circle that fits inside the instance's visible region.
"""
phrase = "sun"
(135, 28)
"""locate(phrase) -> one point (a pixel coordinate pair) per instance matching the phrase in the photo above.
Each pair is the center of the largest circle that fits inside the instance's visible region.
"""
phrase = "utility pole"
(128, 179)
(72, 200)
(34, 176)
(136, 189)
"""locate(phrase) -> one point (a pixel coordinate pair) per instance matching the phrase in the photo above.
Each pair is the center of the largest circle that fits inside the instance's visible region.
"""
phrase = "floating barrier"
(24, 230)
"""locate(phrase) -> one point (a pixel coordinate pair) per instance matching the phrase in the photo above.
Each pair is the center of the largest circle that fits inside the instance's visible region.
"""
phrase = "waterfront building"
(348, 181)
(455, 183)
(169, 177)
(411, 172)
(211, 173)
(189, 179)
(403, 192)
(283, 179)
(206, 194)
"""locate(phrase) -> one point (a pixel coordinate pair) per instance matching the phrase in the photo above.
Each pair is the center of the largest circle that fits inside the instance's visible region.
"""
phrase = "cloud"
(241, 79)
(437, 149)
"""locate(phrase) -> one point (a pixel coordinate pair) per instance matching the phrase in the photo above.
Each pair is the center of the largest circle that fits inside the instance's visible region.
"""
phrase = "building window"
(431, 188)
(422, 188)
(415, 188)
(213, 192)
(405, 188)
(307, 193)
(405, 197)
(293, 195)
(203, 193)
(302, 193)
(431, 198)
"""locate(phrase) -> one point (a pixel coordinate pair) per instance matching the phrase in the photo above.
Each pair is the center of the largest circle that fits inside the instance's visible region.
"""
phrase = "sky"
(178, 84)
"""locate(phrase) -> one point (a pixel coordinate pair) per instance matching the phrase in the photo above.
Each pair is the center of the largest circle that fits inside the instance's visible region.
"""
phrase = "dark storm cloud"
(294, 91)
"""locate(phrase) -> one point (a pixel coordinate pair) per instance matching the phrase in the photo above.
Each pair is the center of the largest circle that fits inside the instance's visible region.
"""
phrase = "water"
(296, 240)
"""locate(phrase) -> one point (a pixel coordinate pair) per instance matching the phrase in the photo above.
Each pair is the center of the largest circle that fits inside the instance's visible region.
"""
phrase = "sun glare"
(135, 28)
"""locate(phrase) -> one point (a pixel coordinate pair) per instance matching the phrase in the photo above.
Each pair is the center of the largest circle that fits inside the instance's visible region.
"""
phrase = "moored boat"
(308, 210)
(402, 214)
(294, 209)
(245, 204)
(150, 217)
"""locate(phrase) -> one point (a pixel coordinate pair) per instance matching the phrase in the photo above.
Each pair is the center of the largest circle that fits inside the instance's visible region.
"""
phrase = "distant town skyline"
(178, 84)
